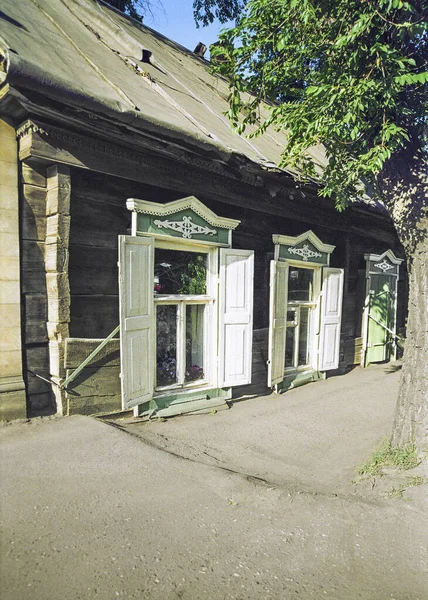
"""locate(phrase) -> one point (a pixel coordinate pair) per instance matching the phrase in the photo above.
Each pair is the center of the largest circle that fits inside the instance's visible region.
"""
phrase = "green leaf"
(411, 78)
(281, 43)
(342, 73)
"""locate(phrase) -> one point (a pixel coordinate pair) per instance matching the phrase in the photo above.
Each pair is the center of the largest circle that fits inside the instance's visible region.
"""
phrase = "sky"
(174, 19)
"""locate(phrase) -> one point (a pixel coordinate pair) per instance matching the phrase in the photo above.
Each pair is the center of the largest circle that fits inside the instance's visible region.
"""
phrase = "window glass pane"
(291, 316)
(194, 342)
(179, 272)
(303, 335)
(166, 345)
(300, 284)
(290, 335)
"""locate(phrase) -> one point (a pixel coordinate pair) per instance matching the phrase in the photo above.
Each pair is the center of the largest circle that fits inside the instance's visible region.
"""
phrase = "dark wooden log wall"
(99, 215)
(97, 387)
(33, 288)
(265, 204)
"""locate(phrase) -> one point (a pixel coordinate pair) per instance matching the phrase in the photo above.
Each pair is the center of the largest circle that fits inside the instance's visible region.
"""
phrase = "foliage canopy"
(134, 8)
(207, 11)
(348, 74)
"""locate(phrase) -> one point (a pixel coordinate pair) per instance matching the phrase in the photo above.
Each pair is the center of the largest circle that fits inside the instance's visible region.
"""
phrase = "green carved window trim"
(185, 225)
(187, 219)
(306, 249)
(304, 252)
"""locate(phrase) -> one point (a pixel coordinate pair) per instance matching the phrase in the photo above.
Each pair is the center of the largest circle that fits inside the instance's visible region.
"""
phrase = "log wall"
(99, 215)
(69, 255)
(34, 290)
(97, 387)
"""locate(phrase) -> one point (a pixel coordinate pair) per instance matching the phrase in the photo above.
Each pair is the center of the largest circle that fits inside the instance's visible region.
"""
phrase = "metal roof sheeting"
(86, 54)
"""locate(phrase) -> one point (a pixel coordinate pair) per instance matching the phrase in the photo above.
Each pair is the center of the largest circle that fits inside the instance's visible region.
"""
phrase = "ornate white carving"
(384, 266)
(190, 203)
(305, 252)
(185, 227)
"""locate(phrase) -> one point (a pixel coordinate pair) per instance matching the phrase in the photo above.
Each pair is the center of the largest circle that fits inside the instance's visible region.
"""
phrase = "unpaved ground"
(251, 503)
(310, 438)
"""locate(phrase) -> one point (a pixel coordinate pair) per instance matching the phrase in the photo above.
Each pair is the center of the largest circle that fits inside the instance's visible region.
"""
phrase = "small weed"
(416, 480)
(412, 481)
(396, 492)
(402, 458)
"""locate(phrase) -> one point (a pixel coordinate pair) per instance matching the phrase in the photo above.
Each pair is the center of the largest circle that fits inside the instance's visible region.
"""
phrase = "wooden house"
(151, 258)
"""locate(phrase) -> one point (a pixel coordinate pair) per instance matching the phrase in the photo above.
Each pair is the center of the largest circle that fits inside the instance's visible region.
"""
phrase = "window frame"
(313, 320)
(209, 300)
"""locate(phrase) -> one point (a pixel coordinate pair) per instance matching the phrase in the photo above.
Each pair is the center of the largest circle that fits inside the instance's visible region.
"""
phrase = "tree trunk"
(404, 190)
(411, 415)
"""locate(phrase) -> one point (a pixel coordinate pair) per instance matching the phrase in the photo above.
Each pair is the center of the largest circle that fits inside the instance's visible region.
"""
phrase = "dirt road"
(251, 503)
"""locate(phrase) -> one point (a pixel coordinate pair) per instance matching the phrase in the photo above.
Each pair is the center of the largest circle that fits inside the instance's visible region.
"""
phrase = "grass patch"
(413, 481)
(416, 480)
(397, 492)
(401, 458)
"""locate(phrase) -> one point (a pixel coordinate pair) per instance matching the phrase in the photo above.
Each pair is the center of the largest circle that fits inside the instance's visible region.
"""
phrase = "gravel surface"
(251, 503)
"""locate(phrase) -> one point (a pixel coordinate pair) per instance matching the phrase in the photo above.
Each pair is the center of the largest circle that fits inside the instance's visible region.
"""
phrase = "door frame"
(379, 264)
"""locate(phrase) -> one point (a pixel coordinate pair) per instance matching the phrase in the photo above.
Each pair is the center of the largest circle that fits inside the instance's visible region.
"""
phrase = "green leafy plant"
(180, 273)
(347, 83)
(416, 480)
(386, 456)
(193, 280)
(413, 481)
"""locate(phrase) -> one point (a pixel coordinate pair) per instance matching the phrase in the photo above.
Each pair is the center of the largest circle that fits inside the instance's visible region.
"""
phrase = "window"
(178, 272)
(300, 308)
(186, 304)
(300, 284)
(305, 309)
(181, 283)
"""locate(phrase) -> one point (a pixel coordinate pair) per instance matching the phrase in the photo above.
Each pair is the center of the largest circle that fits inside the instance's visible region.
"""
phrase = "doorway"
(380, 310)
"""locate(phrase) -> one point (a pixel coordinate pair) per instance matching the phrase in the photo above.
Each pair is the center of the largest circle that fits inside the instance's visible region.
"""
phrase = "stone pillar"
(12, 388)
(57, 283)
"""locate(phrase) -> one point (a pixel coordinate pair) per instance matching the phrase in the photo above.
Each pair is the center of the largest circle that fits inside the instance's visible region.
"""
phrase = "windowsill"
(306, 303)
(183, 298)
(200, 384)
(301, 369)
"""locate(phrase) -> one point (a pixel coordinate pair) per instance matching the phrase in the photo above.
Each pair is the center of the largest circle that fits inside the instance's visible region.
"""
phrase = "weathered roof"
(88, 55)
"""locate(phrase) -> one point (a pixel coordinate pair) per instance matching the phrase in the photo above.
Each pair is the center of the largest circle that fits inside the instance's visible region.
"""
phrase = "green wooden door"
(381, 318)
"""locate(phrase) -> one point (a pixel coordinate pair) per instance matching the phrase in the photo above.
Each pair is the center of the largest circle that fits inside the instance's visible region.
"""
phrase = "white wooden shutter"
(236, 316)
(136, 319)
(331, 316)
(277, 321)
